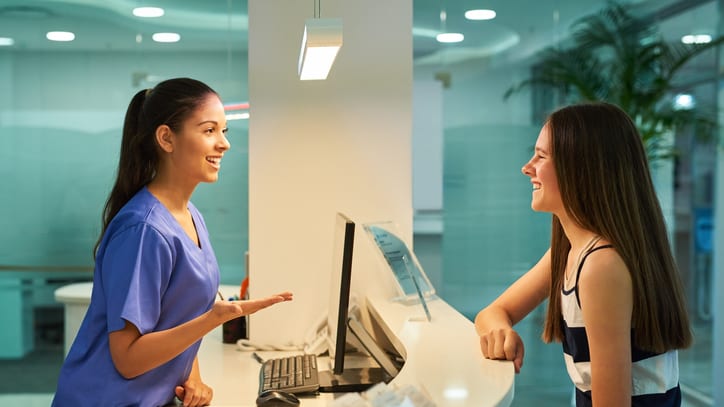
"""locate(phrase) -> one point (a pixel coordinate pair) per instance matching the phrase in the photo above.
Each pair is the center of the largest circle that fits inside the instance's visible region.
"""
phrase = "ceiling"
(521, 27)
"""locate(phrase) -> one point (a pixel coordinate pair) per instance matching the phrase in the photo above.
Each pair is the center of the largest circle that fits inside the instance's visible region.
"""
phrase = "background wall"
(59, 148)
(490, 235)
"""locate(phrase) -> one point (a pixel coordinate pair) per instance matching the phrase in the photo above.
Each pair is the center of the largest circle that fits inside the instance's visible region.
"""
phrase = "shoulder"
(604, 275)
(142, 209)
(142, 215)
(603, 264)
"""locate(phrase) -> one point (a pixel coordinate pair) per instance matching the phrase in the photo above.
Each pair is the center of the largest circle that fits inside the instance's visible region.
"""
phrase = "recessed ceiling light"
(696, 39)
(62, 36)
(148, 12)
(237, 116)
(166, 37)
(6, 42)
(684, 101)
(480, 14)
(450, 37)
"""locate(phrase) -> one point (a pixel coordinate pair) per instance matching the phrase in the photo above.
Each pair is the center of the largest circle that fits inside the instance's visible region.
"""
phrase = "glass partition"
(489, 236)
(62, 107)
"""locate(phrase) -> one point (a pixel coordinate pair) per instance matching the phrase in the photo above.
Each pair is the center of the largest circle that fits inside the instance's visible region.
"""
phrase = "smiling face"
(194, 152)
(542, 172)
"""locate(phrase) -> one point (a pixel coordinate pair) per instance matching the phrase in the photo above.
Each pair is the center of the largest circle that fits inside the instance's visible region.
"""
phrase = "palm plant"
(621, 59)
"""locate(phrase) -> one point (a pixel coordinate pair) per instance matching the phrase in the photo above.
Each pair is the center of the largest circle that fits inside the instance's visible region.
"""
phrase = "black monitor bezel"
(344, 294)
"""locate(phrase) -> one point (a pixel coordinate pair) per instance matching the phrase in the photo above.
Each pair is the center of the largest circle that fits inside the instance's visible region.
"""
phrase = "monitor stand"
(351, 379)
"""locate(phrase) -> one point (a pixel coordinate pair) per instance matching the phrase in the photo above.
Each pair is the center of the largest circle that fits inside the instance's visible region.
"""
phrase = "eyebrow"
(214, 122)
(541, 150)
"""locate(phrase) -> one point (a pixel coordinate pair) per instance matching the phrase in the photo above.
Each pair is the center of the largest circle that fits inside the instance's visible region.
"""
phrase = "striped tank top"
(655, 377)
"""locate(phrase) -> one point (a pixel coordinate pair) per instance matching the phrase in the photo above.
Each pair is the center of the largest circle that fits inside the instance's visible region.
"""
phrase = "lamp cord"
(317, 8)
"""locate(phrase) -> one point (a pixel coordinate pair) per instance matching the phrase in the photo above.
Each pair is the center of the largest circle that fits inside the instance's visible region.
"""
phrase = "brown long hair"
(169, 102)
(605, 185)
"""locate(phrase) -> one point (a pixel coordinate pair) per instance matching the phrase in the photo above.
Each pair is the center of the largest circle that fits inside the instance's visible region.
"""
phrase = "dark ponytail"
(170, 103)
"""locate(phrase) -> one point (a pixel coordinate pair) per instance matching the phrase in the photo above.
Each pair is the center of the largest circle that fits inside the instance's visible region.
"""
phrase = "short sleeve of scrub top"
(132, 294)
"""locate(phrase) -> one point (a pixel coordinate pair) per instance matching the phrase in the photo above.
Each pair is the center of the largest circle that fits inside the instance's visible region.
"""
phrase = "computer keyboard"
(292, 374)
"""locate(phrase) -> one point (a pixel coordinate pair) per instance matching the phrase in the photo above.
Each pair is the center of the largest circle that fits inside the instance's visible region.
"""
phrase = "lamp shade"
(321, 41)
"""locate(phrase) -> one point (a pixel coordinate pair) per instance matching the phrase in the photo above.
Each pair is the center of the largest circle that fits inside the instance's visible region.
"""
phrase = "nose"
(526, 169)
(224, 143)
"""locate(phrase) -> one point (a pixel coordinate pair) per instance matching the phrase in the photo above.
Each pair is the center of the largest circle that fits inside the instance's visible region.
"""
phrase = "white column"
(318, 147)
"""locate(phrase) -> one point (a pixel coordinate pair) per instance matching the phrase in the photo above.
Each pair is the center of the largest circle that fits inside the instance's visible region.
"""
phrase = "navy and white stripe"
(655, 377)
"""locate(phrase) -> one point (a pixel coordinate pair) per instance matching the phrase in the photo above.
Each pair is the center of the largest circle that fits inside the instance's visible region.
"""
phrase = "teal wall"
(491, 236)
(61, 116)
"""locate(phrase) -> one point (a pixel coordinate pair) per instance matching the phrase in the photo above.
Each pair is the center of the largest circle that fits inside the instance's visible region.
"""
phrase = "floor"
(31, 381)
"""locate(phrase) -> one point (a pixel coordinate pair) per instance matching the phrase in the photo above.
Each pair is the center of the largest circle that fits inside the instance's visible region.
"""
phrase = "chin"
(211, 179)
(536, 206)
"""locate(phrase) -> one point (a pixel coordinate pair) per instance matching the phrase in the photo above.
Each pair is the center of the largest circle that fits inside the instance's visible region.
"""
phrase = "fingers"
(496, 341)
(518, 358)
(518, 362)
(484, 346)
(510, 348)
(247, 307)
(286, 296)
(503, 344)
(274, 299)
(281, 297)
(195, 396)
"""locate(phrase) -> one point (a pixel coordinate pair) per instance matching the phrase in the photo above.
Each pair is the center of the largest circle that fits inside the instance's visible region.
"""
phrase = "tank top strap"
(580, 267)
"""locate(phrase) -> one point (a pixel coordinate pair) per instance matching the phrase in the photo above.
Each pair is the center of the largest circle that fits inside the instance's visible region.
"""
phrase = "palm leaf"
(619, 58)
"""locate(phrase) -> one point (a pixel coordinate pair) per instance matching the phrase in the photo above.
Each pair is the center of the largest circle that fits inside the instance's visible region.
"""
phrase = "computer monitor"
(341, 378)
(339, 293)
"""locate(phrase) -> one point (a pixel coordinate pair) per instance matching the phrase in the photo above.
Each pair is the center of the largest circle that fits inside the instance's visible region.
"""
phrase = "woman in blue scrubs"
(156, 276)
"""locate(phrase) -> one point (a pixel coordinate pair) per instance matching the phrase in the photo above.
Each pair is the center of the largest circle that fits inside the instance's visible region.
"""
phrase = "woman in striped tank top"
(615, 298)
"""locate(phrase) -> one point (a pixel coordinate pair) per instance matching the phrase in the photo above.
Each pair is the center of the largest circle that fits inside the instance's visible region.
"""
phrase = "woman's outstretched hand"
(227, 310)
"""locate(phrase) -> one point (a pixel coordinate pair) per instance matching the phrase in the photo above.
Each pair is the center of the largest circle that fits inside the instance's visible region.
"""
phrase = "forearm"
(134, 354)
(153, 349)
(195, 370)
(490, 318)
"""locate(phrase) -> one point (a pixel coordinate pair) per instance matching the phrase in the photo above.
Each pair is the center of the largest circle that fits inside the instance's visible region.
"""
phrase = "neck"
(175, 199)
(577, 236)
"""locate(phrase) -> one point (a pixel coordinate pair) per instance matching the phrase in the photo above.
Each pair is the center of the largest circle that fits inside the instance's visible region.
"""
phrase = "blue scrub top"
(150, 273)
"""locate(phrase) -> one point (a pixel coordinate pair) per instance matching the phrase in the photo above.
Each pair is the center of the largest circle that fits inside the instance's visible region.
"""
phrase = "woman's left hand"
(194, 393)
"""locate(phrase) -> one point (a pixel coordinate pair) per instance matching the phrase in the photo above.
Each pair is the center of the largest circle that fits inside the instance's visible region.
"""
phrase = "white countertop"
(442, 356)
(77, 293)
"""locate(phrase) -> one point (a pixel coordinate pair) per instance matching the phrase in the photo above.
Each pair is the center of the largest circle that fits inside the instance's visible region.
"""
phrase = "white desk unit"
(442, 356)
(75, 299)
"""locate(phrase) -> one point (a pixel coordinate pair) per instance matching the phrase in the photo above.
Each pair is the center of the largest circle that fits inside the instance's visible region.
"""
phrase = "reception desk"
(442, 356)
